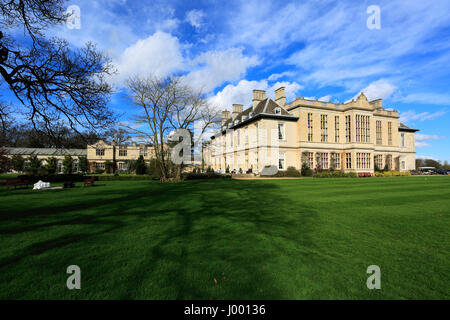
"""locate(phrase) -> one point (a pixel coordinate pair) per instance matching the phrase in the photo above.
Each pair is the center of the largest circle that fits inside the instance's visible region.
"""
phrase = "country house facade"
(357, 136)
(97, 154)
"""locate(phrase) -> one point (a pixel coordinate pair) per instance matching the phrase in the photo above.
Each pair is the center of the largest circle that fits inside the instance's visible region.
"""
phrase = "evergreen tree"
(33, 164)
(141, 168)
(83, 164)
(67, 165)
(17, 162)
(51, 165)
(108, 166)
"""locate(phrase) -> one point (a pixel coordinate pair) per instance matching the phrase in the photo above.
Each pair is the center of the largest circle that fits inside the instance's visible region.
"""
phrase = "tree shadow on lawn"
(225, 240)
(218, 239)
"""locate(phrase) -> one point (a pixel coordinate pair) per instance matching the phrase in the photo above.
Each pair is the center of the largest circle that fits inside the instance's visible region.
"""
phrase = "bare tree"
(333, 157)
(166, 105)
(4, 116)
(119, 135)
(319, 164)
(52, 81)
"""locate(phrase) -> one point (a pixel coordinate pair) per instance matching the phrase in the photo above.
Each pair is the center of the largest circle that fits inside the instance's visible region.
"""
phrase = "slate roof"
(403, 127)
(45, 151)
(264, 109)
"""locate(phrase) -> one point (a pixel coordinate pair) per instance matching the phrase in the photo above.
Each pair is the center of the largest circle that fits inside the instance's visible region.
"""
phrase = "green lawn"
(229, 239)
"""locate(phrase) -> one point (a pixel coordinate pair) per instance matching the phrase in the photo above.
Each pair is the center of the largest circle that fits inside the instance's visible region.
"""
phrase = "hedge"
(335, 174)
(392, 173)
(59, 178)
(55, 178)
(290, 172)
(207, 175)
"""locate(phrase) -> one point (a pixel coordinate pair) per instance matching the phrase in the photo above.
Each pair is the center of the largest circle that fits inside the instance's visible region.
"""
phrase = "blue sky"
(317, 49)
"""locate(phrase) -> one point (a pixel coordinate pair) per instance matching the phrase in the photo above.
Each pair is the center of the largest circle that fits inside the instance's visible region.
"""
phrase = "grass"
(228, 239)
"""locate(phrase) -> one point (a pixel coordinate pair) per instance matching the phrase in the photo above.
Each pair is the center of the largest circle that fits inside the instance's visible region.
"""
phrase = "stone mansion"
(355, 136)
(97, 154)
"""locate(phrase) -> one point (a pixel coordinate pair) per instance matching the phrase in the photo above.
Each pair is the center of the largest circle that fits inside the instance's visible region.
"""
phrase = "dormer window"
(277, 110)
(251, 114)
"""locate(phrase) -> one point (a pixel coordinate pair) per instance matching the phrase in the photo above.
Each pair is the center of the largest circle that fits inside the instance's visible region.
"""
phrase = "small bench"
(16, 182)
(89, 181)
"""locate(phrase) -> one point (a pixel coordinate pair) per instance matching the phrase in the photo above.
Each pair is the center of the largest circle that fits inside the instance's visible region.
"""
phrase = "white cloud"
(421, 139)
(420, 144)
(213, 68)
(277, 76)
(380, 89)
(291, 89)
(195, 18)
(411, 115)
(159, 55)
(242, 92)
(168, 24)
(426, 157)
(427, 98)
(326, 98)
(337, 48)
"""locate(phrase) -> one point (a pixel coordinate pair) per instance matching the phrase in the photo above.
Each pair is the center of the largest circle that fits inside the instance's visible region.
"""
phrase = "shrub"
(141, 168)
(392, 173)
(67, 165)
(154, 168)
(5, 163)
(99, 171)
(335, 174)
(109, 166)
(306, 170)
(17, 162)
(208, 175)
(83, 164)
(131, 165)
(33, 164)
(53, 178)
(290, 172)
(51, 165)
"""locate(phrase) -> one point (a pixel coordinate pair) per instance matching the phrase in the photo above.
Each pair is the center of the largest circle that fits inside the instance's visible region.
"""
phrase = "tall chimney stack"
(237, 108)
(280, 96)
(225, 116)
(258, 96)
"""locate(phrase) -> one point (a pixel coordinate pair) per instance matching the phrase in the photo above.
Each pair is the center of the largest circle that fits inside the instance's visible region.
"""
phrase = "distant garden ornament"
(41, 185)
